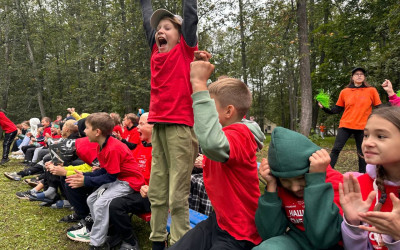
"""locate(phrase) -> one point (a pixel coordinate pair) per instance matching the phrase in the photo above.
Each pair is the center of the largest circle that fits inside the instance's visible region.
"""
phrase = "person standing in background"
(356, 102)
(10, 131)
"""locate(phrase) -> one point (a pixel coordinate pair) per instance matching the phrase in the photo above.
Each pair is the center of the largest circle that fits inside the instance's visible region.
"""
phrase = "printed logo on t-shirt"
(295, 212)
(377, 241)
(141, 160)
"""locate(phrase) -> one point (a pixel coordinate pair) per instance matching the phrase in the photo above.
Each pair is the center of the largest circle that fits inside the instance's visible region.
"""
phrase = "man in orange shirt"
(356, 102)
(322, 130)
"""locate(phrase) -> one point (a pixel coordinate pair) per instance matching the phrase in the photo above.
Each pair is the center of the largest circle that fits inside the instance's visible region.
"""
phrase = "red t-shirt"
(118, 129)
(170, 96)
(46, 130)
(86, 150)
(294, 206)
(142, 155)
(131, 135)
(116, 158)
(357, 103)
(366, 185)
(233, 186)
(6, 124)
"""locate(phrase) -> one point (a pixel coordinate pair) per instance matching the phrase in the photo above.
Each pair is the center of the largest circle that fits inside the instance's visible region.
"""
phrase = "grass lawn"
(26, 225)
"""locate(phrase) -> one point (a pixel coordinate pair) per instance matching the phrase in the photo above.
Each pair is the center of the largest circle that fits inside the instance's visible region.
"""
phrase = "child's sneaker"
(105, 246)
(61, 204)
(13, 176)
(70, 218)
(4, 161)
(127, 246)
(33, 182)
(24, 195)
(81, 235)
(87, 222)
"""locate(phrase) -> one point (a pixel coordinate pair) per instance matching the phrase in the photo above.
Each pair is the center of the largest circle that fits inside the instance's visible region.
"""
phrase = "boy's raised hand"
(388, 87)
(265, 173)
(351, 199)
(200, 71)
(319, 161)
(202, 55)
(384, 222)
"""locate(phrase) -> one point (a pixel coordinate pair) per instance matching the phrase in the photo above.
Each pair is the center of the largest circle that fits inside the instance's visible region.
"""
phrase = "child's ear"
(98, 132)
(230, 111)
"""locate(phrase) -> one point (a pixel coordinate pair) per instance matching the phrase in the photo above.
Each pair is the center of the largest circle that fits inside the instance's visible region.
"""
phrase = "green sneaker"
(81, 235)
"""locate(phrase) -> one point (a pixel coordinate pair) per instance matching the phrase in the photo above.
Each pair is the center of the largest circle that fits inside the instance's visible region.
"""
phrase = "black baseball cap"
(358, 69)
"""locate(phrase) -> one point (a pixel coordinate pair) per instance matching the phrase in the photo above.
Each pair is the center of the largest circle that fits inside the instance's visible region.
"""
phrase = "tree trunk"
(292, 96)
(305, 76)
(32, 59)
(242, 42)
(7, 61)
(127, 93)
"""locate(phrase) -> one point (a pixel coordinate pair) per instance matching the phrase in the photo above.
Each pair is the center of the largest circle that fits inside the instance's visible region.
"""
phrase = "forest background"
(92, 54)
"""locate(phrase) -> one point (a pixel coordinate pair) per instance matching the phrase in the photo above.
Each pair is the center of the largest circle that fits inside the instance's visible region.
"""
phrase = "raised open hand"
(351, 199)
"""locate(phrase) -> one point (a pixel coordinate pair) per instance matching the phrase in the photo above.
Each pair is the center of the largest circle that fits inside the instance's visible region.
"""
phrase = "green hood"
(289, 152)
(256, 131)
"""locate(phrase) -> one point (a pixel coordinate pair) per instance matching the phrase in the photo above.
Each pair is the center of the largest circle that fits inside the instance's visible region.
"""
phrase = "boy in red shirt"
(172, 41)
(130, 135)
(10, 131)
(230, 171)
(133, 203)
(118, 172)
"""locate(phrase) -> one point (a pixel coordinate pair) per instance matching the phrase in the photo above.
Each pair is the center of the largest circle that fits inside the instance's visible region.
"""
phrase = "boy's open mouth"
(162, 42)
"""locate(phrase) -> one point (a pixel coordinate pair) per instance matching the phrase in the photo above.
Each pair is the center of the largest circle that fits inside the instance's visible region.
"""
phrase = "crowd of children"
(105, 169)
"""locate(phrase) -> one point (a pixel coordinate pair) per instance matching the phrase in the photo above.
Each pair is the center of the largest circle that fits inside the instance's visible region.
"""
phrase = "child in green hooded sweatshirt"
(300, 208)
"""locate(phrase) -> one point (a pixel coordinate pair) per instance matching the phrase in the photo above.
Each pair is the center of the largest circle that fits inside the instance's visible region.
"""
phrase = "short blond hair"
(231, 91)
(70, 124)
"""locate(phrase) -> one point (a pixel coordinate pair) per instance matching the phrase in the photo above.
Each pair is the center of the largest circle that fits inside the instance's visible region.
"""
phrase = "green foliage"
(323, 98)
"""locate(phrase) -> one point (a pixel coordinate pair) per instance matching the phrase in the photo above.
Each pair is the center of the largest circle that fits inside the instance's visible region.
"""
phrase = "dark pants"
(31, 170)
(208, 235)
(8, 140)
(25, 148)
(119, 213)
(342, 136)
(29, 154)
(77, 197)
(42, 153)
(15, 146)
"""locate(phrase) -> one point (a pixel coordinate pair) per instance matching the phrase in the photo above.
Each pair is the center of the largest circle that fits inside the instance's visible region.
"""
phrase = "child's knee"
(282, 242)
